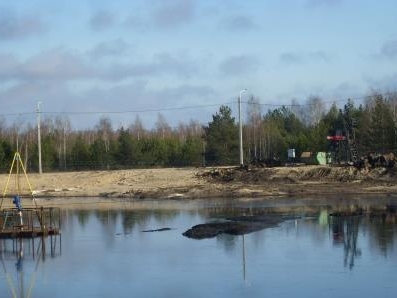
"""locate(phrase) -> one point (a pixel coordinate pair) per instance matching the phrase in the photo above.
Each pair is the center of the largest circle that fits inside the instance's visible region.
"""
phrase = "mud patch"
(157, 230)
(234, 226)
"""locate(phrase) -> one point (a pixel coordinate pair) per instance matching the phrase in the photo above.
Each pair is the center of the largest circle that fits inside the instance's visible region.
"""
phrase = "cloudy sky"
(184, 58)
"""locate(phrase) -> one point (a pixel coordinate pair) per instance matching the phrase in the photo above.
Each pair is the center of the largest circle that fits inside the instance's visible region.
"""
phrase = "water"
(105, 253)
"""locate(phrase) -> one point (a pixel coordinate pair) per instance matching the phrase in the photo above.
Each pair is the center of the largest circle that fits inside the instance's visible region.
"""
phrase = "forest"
(266, 135)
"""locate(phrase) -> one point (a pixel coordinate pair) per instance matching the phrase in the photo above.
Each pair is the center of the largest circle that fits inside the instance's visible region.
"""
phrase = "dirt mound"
(237, 174)
(296, 174)
(343, 174)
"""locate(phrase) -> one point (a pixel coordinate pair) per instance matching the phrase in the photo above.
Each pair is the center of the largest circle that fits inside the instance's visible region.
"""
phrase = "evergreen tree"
(100, 153)
(283, 130)
(80, 154)
(221, 136)
(192, 151)
(382, 126)
(5, 155)
(125, 150)
(364, 140)
(49, 153)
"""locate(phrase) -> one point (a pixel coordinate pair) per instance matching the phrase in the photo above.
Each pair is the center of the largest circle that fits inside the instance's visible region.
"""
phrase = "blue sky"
(124, 58)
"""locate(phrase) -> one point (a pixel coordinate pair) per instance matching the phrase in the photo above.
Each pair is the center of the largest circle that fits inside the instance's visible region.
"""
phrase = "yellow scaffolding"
(15, 166)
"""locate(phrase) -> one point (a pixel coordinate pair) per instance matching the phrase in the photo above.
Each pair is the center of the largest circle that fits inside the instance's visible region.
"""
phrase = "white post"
(240, 128)
(39, 137)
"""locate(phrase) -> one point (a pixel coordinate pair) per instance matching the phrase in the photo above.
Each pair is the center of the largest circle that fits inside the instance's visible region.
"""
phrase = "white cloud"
(13, 26)
(389, 49)
(292, 57)
(174, 13)
(136, 22)
(102, 20)
(55, 64)
(236, 65)
(63, 65)
(385, 82)
(114, 47)
(8, 64)
(162, 63)
(239, 23)
(140, 98)
(23, 97)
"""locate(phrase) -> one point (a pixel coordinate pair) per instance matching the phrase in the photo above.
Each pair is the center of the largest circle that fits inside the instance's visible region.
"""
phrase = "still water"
(116, 250)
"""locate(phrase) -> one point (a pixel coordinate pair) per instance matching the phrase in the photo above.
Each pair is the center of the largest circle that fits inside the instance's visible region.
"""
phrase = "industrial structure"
(342, 142)
(25, 221)
(27, 231)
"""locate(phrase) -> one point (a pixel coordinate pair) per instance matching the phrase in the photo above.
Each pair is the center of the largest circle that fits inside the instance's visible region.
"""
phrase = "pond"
(318, 248)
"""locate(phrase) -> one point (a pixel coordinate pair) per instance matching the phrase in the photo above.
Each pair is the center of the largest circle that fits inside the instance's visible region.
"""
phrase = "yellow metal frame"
(17, 162)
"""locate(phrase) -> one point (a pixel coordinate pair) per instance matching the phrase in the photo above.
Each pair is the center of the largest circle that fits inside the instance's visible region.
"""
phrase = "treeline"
(101, 148)
(266, 135)
(306, 127)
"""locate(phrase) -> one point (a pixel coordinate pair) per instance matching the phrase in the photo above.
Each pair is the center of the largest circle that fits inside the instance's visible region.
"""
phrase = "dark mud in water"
(235, 226)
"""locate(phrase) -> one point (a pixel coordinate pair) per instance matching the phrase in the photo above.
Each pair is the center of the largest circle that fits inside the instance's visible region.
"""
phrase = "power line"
(17, 114)
(190, 107)
(120, 112)
(142, 111)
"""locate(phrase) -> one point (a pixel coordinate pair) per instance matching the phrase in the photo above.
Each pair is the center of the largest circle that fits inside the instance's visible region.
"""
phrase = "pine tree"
(221, 136)
(382, 125)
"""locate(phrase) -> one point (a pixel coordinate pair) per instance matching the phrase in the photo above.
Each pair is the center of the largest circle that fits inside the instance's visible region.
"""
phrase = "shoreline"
(214, 182)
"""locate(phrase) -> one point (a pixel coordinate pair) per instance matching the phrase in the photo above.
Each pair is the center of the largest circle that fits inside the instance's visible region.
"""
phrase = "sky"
(182, 59)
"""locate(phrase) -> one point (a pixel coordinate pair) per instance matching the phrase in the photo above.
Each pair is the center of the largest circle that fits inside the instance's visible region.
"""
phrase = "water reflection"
(129, 218)
(344, 223)
(345, 232)
(126, 251)
(244, 259)
(27, 254)
(379, 223)
(383, 228)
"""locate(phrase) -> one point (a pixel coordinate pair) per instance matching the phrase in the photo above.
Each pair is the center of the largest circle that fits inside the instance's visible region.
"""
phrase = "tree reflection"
(383, 228)
(228, 242)
(83, 216)
(107, 217)
(128, 218)
(380, 221)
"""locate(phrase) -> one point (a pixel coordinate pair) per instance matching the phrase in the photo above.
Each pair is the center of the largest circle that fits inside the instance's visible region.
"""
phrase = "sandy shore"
(177, 183)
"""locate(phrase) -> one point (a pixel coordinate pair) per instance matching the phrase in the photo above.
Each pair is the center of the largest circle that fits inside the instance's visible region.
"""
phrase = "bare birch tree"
(105, 132)
(162, 127)
(62, 132)
(315, 110)
(137, 128)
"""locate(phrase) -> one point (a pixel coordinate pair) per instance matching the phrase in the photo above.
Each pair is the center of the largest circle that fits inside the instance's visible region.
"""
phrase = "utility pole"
(39, 137)
(240, 128)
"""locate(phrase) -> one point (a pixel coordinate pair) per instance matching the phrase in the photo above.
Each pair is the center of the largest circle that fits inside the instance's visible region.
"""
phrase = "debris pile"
(259, 175)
